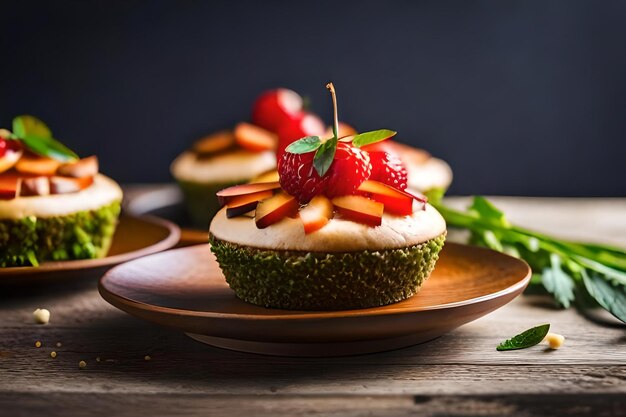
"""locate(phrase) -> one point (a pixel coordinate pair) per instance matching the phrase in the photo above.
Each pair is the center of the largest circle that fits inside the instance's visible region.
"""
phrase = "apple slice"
(255, 138)
(359, 209)
(242, 204)
(34, 186)
(9, 186)
(214, 143)
(225, 195)
(270, 176)
(37, 165)
(395, 201)
(66, 185)
(86, 167)
(274, 209)
(316, 214)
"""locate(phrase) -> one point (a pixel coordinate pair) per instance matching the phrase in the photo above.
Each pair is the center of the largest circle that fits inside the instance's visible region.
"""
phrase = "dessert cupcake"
(337, 231)
(53, 205)
(238, 156)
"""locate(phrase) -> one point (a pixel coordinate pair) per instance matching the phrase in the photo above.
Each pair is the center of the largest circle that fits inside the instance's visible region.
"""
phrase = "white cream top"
(229, 167)
(339, 235)
(103, 191)
(432, 173)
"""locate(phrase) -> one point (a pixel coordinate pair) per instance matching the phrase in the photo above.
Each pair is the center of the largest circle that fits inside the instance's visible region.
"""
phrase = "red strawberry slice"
(389, 169)
(349, 169)
(299, 178)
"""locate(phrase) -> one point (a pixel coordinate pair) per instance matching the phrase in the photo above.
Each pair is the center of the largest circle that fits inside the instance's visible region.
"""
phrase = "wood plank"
(336, 405)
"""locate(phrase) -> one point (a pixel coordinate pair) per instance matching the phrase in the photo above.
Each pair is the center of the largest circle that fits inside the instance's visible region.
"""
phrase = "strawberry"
(299, 178)
(350, 167)
(388, 169)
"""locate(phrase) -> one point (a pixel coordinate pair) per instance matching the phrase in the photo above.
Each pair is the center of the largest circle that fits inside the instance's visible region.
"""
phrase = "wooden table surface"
(459, 374)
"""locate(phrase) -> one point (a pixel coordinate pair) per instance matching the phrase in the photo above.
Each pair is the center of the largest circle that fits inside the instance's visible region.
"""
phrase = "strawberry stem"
(331, 88)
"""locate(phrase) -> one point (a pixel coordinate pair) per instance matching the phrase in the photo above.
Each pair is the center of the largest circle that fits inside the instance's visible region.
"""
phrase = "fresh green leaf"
(304, 145)
(487, 211)
(611, 297)
(529, 338)
(557, 282)
(37, 137)
(324, 156)
(367, 138)
(49, 147)
(30, 125)
(616, 276)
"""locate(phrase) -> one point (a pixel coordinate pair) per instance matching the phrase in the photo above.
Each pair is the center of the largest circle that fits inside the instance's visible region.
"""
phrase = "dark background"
(520, 97)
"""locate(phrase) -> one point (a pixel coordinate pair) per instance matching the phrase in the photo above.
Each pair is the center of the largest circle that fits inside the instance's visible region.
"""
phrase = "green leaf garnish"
(611, 297)
(37, 137)
(557, 282)
(367, 138)
(570, 271)
(529, 338)
(324, 156)
(304, 145)
(30, 125)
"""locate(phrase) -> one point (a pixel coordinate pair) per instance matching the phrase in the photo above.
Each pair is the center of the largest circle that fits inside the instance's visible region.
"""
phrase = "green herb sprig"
(567, 270)
(526, 339)
(325, 149)
(37, 138)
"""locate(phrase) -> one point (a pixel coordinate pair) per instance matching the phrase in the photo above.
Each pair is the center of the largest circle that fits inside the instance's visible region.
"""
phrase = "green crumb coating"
(82, 235)
(326, 281)
(201, 201)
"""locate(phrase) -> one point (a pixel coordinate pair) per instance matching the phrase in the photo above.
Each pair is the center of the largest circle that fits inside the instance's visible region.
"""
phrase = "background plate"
(185, 289)
(134, 237)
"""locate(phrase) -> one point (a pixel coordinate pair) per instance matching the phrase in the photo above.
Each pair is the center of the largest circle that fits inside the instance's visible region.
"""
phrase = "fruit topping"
(316, 214)
(65, 185)
(301, 125)
(269, 176)
(359, 209)
(255, 138)
(37, 165)
(350, 167)
(274, 209)
(34, 186)
(9, 186)
(10, 153)
(214, 143)
(388, 169)
(275, 107)
(86, 167)
(299, 178)
(244, 203)
(395, 201)
(224, 196)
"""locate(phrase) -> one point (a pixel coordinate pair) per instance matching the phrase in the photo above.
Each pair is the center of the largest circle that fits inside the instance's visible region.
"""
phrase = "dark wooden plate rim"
(167, 243)
(516, 288)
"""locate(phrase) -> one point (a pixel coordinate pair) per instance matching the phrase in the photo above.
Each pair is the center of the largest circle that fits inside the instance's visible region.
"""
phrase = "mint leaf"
(30, 125)
(557, 282)
(37, 137)
(367, 138)
(324, 156)
(611, 297)
(304, 145)
(529, 338)
(49, 147)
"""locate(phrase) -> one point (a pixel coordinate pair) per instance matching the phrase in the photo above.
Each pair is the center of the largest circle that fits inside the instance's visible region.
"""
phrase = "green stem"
(331, 88)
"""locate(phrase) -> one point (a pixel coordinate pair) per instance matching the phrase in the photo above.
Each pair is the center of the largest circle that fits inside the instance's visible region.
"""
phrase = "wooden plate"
(134, 237)
(166, 202)
(185, 289)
